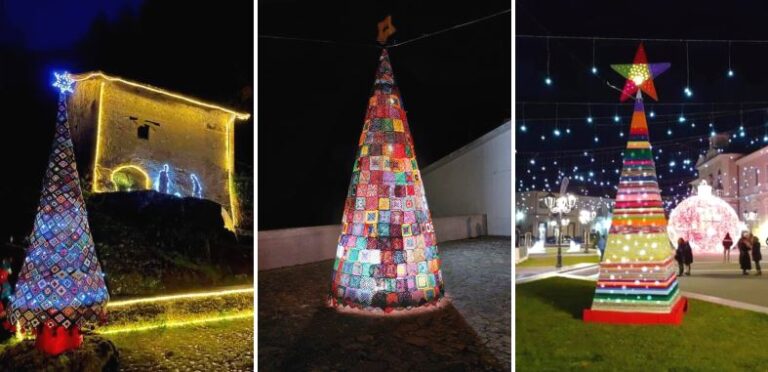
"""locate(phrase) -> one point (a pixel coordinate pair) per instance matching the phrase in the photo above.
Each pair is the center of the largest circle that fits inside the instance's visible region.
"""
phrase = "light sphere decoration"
(703, 220)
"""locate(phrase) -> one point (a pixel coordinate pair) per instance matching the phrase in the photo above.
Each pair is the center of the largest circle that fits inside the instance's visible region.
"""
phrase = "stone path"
(297, 331)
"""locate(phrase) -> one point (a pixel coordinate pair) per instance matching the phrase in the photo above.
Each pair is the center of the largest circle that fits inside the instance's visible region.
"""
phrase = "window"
(143, 132)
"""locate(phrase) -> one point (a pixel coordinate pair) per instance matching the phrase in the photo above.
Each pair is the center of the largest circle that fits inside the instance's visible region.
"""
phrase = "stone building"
(130, 136)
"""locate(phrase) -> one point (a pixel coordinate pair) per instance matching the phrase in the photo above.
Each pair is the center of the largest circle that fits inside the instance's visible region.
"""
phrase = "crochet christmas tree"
(638, 281)
(60, 287)
(387, 253)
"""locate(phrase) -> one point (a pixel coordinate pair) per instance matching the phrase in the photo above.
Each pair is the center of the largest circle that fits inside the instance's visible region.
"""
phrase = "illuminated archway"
(130, 178)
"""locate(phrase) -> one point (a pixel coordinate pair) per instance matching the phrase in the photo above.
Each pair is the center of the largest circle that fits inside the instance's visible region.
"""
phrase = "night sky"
(313, 96)
(738, 100)
(206, 53)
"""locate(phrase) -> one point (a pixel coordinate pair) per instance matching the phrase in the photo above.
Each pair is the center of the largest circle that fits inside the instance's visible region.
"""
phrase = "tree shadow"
(438, 340)
(565, 296)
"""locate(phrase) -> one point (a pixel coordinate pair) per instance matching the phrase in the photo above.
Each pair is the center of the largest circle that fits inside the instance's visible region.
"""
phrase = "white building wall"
(476, 179)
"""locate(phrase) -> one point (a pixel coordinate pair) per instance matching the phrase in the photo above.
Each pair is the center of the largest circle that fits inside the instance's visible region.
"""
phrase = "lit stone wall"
(188, 138)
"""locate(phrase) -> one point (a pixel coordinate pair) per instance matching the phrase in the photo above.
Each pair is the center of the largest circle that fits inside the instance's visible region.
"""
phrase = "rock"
(96, 354)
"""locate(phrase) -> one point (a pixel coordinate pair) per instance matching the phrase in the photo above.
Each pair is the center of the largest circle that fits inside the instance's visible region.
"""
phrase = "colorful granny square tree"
(60, 287)
(387, 254)
(638, 279)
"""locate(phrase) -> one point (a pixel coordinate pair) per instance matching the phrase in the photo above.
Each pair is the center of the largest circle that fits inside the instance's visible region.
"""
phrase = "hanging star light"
(640, 75)
(64, 82)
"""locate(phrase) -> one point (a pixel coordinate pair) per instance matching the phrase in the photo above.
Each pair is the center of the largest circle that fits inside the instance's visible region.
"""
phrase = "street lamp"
(750, 217)
(560, 205)
(586, 217)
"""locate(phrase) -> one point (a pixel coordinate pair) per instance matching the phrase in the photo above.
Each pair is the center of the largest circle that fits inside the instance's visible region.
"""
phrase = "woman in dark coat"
(679, 255)
(686, 257)
(757, 255)
(745, 248)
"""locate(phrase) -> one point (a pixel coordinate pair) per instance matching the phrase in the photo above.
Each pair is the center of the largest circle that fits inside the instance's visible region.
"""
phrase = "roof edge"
(102, 75)
(507, 125)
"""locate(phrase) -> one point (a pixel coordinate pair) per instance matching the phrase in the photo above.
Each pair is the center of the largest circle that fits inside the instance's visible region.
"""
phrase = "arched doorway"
(130, 178)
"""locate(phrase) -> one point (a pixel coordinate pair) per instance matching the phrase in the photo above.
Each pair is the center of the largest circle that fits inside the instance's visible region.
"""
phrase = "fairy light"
(147, 179)
(83, 77)
(594, 62)
(548, 78)
(730, 69)
(97, 156)
(184, 296)
(688, 92)
(203, 319)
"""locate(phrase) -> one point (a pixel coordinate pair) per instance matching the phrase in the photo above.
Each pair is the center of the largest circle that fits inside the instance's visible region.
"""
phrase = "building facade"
(475, 179)
(131, 136)
(532, 216)
(742, 181)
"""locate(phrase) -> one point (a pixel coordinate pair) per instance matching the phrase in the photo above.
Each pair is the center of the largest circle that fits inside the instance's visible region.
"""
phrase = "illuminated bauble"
(703, 220)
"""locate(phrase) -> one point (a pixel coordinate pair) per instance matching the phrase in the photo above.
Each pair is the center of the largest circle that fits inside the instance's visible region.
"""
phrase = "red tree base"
(674, 317)
(56, 340)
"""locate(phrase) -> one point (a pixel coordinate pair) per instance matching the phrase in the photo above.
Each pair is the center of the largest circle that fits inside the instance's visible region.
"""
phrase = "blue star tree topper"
(64, 82)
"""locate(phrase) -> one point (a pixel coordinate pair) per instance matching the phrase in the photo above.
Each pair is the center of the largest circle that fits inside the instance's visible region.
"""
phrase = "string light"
(548, 78)
(687, 90)
(594, 62)
(730, 70)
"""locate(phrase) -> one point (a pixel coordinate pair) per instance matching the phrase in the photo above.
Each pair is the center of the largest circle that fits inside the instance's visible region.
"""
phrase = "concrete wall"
(288, 247)
(475, 179)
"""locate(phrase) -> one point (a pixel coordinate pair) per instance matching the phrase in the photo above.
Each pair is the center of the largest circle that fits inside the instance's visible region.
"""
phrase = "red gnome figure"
(61, 287)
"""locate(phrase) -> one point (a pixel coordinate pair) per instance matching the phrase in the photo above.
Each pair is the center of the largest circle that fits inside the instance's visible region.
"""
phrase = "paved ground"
(297, 331)
(710, 276)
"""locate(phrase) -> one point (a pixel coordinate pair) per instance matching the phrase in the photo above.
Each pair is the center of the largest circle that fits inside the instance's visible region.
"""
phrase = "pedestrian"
(684, 256)
(727, 244)
(745, 248)
(757, 255)
(679, 255)
(601, 246)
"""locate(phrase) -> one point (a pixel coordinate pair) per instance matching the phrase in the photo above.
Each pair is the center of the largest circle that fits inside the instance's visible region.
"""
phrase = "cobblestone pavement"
(297, 331)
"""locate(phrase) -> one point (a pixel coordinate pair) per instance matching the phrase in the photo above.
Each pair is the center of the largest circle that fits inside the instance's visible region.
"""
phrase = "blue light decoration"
(61, 287)
(523, 128)
(589, 119)
(652, 114)
(616, 118)
(548, 80)
(594, 70)
(163, 183)
(688, 92)
(64, 82)
(197, 189)
(730, 73)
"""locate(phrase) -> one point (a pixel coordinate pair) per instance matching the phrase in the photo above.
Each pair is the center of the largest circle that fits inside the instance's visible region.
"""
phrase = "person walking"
(601, 246)
(757, 255)
(686, 254)
(679, 255)
(727, 244)
(745, 248)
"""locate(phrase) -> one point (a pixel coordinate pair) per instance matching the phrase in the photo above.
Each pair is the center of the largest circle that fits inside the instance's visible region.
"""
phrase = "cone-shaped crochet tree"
(637, 281)
(60, 286)
(387, 253)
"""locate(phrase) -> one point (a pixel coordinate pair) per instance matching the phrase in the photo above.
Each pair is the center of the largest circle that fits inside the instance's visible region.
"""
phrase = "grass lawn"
(216, 346)
(550, 335)
(550, 260)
